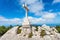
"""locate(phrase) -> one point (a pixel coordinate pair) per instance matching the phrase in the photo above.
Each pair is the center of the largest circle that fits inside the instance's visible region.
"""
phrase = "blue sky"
(40, 11)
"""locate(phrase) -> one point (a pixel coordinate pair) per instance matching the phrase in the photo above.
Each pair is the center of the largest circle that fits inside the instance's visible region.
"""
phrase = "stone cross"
(26, 8)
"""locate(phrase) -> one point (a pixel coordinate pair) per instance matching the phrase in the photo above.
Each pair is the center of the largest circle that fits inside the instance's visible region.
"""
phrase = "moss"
(43, 33)
(30, 35)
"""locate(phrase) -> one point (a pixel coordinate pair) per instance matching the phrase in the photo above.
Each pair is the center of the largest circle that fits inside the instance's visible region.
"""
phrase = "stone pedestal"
(26, 26)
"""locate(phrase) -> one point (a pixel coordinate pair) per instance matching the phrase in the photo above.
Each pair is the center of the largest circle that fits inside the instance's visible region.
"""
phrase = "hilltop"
(37, 33)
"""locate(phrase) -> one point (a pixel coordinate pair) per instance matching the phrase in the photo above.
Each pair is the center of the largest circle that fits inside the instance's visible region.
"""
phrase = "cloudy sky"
(40, 11)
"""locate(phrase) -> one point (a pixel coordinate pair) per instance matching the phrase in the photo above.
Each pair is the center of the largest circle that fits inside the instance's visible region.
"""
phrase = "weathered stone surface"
(9, 35)
(50, 34)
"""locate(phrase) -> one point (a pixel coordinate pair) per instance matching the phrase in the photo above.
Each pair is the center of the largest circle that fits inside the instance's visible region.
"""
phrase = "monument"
(26, 25)
(26, 20)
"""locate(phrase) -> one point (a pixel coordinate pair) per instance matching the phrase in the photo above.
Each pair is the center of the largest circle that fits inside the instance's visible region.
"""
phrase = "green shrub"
(18, 30)
(4, 29)
(43, 33)
(58, 28)
(36, 28)
(30, 35)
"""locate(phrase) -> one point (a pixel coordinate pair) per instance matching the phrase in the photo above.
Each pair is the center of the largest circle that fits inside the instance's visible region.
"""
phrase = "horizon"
(51, 25)
(40, 12)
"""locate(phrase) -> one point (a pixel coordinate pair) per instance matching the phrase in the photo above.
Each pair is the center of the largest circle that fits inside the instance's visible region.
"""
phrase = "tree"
(4, 29)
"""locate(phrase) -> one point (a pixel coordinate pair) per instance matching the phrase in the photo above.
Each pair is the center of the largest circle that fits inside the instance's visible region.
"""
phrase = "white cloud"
(35, 6)
(34, 20)
(28, 1)
(58, 13)
(15, 21)
(56, 1)
(48, 15)
(41, 20)
(45, 18)
(5, 21)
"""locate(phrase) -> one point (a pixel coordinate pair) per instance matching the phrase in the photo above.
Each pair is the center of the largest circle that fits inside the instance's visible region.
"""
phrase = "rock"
(53, 37)
(50, 34)
(47, 37)
(9, 35)
(57, 35)
(47, 32)
(45, 27)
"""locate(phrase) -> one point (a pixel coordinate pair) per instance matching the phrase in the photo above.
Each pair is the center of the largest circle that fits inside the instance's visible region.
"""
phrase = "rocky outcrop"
(9, 35)
(44, 33)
